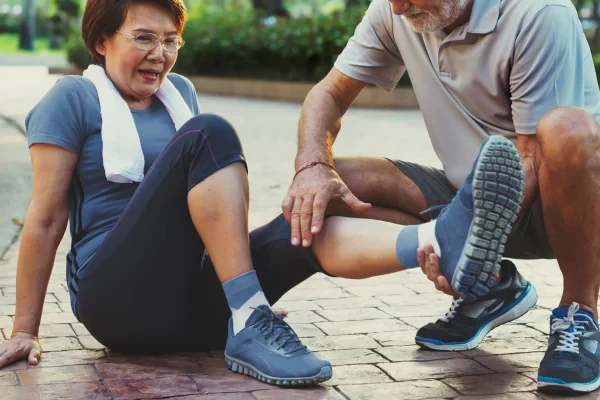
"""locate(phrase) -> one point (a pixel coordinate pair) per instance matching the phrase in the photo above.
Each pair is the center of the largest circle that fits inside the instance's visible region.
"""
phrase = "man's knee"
(568, 137)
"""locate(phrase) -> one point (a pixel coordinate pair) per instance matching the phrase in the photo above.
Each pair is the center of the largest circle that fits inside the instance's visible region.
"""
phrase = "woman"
(138, 272)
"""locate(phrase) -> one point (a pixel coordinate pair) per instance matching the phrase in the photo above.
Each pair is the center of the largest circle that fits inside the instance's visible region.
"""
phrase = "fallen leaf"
(17, 221)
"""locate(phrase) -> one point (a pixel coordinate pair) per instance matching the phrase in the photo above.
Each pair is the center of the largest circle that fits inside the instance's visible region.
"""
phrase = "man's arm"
(321, 117)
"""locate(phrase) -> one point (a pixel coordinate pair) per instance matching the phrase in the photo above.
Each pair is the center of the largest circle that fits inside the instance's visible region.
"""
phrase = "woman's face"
(138, 74)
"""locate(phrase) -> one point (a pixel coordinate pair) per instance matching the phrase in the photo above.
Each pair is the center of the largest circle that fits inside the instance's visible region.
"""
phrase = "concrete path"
(365, 328)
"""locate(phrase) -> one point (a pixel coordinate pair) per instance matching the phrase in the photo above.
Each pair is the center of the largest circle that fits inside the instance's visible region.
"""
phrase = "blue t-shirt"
(69, 116)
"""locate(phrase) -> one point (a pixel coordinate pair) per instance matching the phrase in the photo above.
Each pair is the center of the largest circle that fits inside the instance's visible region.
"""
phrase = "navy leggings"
(150, 288)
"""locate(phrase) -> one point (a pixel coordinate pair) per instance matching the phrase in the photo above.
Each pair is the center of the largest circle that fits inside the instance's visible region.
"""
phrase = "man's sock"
(412, 238)
(244, 294)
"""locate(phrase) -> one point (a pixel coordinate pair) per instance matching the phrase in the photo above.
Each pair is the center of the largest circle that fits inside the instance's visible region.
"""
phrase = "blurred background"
(290, 40)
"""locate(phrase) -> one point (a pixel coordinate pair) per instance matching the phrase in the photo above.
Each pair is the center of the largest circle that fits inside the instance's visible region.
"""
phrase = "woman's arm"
(45, 225)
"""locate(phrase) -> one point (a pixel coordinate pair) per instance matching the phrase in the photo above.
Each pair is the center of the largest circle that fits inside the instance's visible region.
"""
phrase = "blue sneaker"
(467, 323)
(572, 361)
(269, 350)
(472, 230)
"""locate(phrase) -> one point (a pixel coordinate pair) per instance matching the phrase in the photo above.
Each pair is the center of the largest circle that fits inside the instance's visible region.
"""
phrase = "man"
(520, 69)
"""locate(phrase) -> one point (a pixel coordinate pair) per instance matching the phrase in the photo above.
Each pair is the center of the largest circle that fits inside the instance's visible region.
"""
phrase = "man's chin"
(420, 23)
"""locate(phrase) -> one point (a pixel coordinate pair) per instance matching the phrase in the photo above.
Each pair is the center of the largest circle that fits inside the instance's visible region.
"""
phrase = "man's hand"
(430, 265)
(19, 347)
(307, 199)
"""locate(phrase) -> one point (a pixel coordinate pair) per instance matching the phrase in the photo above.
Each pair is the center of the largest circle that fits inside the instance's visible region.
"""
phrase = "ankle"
(588, 306)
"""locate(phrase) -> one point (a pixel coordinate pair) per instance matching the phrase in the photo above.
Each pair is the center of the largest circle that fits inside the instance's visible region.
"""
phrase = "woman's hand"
(20, 346)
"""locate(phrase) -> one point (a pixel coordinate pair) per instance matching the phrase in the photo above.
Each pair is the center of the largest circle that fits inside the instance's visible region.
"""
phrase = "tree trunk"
(27, 31)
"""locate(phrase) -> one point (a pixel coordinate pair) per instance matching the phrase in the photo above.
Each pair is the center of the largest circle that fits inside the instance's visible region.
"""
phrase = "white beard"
(422, 21)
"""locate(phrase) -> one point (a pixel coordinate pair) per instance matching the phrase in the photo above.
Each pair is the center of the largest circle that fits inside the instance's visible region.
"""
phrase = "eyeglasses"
(147, 41)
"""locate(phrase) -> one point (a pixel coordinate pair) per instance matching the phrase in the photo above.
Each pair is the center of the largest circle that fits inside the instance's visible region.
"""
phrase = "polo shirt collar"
(484, 16)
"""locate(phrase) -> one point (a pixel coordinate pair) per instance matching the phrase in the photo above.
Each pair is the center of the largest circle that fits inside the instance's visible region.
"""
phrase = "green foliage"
(237, 44)
(77, 53)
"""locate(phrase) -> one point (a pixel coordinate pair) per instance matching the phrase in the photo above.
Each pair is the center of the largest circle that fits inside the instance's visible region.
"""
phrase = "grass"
(9, 44)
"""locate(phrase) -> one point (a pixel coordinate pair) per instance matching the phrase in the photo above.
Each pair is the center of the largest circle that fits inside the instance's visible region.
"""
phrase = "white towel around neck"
(121, 148)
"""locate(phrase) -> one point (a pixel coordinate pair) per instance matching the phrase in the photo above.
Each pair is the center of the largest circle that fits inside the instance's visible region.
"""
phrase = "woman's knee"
(210, 126)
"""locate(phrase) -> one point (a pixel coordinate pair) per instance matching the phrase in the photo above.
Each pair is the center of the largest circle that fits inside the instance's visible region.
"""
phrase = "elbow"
(51, 226)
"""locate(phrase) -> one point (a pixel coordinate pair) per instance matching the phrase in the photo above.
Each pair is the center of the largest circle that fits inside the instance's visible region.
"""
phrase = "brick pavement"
(365, 328)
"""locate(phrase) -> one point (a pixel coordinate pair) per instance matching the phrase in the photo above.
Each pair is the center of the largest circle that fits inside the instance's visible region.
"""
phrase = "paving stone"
(319, 393)
(16, 366)
(8, 378)
(6, 322)
(434, 310)
(349, 302)
(557, 396)
(506, 346)
(344, 342)
(317, 283)
(513, 331)
(148, 369)
(58, 318)
(152, 388)
(512, 362)
(398, 338)
(73, 391)
(312, 294)
(505, 396)
(72, 357)
(491, 384)
(52, 288)
(298, 305)
(88, 342)
(349, 357)
(353, 314)
(79, 329)
(41, 376)
(55, 330)
(227, 383)
(413, 370)
(307, 330)
(412, 301)
(415, 353)
(418, 322)
(357, 374)
(303, 317)
(60, 344)
(376, 290)
(220, 396)
(422, 389)
(367, 326)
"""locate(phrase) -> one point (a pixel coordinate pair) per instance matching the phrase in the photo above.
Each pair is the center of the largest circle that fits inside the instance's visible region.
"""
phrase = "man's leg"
(568, 164)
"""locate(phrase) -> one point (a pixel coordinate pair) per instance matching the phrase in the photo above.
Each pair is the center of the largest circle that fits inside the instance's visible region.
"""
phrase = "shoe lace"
(453, 310)
(569, 341)
(280, 333)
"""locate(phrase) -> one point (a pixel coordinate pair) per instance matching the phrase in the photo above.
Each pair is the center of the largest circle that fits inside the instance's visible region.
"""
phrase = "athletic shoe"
(468, 322)
(269, 350)
(572, 361)
(473, 229)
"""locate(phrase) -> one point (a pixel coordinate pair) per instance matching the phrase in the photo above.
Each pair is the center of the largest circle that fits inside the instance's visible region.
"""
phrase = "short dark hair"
(104, 17)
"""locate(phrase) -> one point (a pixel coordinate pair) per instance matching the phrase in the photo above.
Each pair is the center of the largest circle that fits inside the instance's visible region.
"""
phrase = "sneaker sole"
(241, 367)
(526, 303)
(498, 185)
(558, 386)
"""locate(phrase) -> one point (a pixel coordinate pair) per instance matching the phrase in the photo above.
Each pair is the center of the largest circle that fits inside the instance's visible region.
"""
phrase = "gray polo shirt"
(498, 74)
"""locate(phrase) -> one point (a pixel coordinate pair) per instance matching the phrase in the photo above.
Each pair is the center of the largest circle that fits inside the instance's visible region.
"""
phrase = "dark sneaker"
(468, 322)
(572, 361)
(269, 350)
(473, 229)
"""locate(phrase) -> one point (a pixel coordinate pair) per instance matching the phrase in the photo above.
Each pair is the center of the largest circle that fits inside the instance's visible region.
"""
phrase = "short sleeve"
(548, 71)
(187, 90)
(371, 54)
(59, 117)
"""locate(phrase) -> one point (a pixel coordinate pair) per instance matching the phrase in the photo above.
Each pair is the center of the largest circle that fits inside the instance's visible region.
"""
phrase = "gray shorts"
(528, 239)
